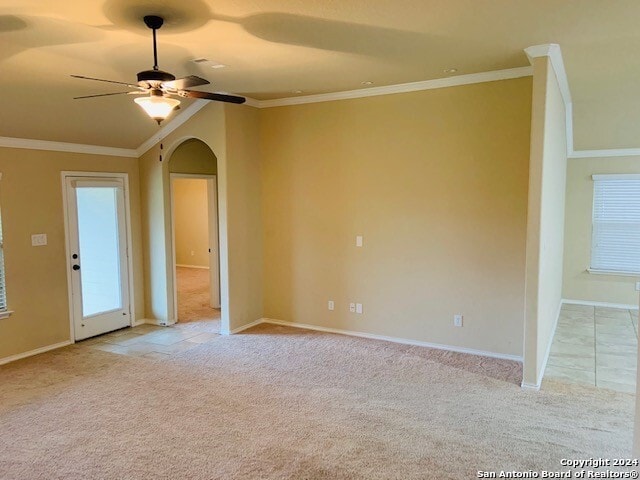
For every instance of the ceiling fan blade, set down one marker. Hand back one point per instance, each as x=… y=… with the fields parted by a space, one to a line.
x=103 y=80
x=220 y=97
x=186 y=82
x=104 y=95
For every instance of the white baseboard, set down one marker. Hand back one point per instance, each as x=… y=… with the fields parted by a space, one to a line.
x=37 y=351
x=193 y=266
x=404 y=341
x=244 y=327
x=153 y=321
x=140 y=321
x=530 y=386
x=599 y=304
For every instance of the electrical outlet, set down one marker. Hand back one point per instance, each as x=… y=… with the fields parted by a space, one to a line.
x=193 y=253
x=457 y=320
x=352 y=307
x=637 y=286
x=358 y=308
x=39 y=240
x=330 y=305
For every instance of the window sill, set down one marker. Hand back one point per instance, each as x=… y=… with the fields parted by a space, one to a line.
x=5 y=314
x=614 y=273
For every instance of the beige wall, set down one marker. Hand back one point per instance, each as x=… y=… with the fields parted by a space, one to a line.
x=191 y=221
x=578 y=283
x=435 y=181
x=31 y=200
x=606 y=121
x=240 y=246
x=245 y=214
x=193 y=156
x=545 y=240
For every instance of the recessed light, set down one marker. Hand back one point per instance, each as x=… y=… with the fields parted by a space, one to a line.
x=368 y=82
x=450 y=70
x=296 y=91
x=219 y=65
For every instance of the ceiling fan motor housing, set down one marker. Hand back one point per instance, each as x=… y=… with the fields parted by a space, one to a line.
x=160 y=76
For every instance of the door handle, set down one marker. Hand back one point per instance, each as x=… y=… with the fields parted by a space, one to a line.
x=76 y=267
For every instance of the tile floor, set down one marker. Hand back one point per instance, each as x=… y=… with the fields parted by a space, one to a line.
x=151 y=341
x=595 y=346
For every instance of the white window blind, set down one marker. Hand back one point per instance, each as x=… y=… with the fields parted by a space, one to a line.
x=615 y=245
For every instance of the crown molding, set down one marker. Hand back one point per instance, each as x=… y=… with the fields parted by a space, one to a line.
x=552 y=50
x=30 y=144
x=402 y=88
x=612 y=152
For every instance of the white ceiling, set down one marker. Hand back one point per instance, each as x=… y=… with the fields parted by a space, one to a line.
x=274 y=47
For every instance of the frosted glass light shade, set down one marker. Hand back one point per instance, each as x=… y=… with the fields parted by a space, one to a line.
x=157 y=107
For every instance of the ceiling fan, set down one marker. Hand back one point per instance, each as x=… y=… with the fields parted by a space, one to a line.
x=162 y=86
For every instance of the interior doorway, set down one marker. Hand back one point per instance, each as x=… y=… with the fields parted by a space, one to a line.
x=196 y=261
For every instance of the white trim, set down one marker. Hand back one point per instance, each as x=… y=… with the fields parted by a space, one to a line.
x=245 y=327
x=616 y=176
x=175 y=122
x=5 y=314
x=530 y=386
x=192 y=266
x=138 y=322
x=37 y=351
x=552 y=50
x=594 y=271
x=589 y=303
x=404 y=341
x=612 y=152
x=548 y=351
x=455 y=81
x=11 y=142
x=252 y=102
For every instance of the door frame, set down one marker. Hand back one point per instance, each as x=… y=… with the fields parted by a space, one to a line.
x=67 y=243
x=213 y=229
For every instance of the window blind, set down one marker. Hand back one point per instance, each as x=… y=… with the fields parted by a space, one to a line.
x=615 y=245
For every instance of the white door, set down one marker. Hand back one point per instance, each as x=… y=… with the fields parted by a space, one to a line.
x=97 y=242
x=214 y=259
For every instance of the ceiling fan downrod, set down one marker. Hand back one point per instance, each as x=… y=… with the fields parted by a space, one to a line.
x=154 y=22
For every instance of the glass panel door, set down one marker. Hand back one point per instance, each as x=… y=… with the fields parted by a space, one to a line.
x=99 y=249
x=97 y=240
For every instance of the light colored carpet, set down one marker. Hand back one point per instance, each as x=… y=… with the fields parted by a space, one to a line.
x=194 y=297
x=282 y=403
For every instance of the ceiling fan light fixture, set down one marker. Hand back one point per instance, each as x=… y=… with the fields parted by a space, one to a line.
x=157 y=107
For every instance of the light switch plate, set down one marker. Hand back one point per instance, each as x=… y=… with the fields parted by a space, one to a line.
x=38 y=240
x=358 y=240
x=358 y=308
x=457 y=320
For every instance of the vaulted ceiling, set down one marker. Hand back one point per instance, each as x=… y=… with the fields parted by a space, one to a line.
x=272 y=48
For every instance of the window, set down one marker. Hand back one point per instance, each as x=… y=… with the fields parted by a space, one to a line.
x=615 y=243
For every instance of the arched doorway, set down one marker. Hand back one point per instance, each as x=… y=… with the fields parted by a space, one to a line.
x=195 y=242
